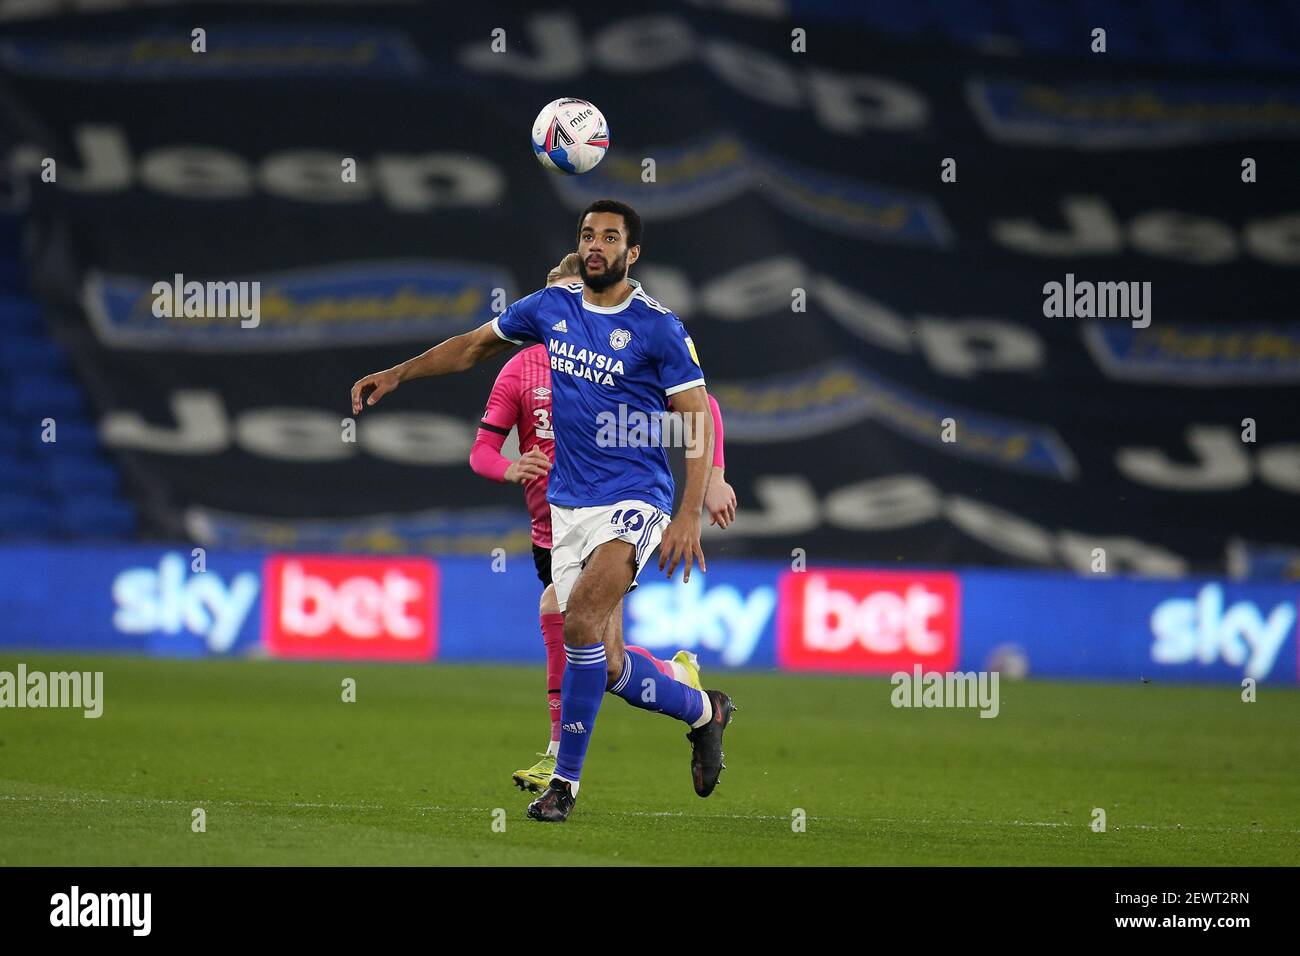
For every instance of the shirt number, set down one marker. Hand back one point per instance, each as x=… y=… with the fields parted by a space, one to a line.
x=543 y=427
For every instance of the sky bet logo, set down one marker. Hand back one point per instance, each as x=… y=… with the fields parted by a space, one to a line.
x=1202 y=630
x=171 y=599
x=721 y=618
x=348 y=608
x=868 y=621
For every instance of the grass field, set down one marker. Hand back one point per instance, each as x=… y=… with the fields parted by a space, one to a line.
x=412 y=773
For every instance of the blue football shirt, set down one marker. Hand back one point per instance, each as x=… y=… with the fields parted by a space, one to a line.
x=613 y=368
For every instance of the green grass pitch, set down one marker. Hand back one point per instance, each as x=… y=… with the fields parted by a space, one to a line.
x=413 y=772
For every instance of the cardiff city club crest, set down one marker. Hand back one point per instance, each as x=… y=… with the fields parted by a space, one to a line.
x=619 y=338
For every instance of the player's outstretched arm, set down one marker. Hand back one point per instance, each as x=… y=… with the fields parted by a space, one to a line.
x=454 y=355
x=681 y=540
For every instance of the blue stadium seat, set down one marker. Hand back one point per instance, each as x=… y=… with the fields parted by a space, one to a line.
x=91 y=516
x=71 y=433
x=25 y=352
x=32 y=394
x=28 y=427
x=25 y=515
x=19 y=476
x=69 y=474
x=19 y=312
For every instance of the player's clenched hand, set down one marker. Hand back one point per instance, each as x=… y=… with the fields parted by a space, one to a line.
x=720 y=503
x=382 y=383
x=531 y=464
x=681 y=544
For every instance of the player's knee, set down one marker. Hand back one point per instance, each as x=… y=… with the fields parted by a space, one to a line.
x=550 y=604
x=581 y=630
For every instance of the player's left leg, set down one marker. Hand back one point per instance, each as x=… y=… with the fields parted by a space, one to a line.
x=637 y=685
x=553 y=637
x=684 y=666
x=552 y=623
x=664 y=667
x=715 y=713
x=640 y=680
x=605 y=576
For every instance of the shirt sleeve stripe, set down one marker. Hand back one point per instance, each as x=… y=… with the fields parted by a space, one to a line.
x=683 y=387
x=494 y=428
x=497 y=329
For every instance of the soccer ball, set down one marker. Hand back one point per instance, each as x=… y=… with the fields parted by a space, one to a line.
x=570 y=136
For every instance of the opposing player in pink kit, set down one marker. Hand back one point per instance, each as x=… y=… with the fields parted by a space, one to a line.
x=521 y=399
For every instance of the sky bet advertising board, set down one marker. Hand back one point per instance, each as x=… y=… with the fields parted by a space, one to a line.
x=188 y=602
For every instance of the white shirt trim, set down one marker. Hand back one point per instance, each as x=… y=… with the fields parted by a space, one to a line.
x=614 y=309
x=683 y=387
x=639 y=294
x=497 y=329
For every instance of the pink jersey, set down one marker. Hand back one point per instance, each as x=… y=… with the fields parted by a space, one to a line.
x=521 y=399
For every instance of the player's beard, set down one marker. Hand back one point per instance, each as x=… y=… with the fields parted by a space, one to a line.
x=614 y=273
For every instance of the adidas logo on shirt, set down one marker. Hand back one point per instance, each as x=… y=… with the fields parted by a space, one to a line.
x=575 y=727
x=560 y=326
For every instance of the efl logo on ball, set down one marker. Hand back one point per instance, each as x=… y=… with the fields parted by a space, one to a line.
x=570 y=136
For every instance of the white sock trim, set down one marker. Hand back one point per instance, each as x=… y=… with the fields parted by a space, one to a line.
x=573 y=784
x=707 y=715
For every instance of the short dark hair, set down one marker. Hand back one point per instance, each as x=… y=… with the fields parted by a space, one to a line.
x=631 y=221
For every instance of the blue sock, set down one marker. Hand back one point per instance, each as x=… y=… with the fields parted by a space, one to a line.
x=581 y=692
x=642 y=685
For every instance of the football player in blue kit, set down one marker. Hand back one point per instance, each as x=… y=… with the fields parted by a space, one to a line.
x=612 y=349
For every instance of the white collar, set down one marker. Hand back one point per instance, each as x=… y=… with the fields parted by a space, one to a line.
x=613 y=309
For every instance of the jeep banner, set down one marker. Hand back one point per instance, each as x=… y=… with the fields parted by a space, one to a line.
x=942 y=326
